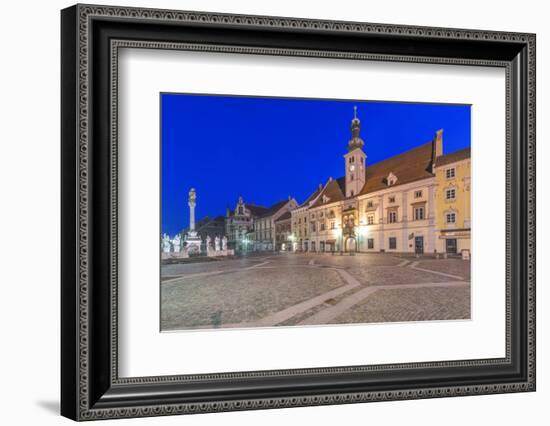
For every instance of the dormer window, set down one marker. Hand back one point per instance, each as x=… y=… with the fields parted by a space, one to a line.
x=325 y=199
x=391 y=179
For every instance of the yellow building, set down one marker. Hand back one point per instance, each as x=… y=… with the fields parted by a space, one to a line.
x=453 y=229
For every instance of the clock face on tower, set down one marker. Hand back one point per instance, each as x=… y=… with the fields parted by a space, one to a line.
x=352 y=168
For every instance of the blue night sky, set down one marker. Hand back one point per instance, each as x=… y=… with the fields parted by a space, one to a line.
x=266 y=149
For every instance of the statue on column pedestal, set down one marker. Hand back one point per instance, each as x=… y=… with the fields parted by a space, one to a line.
x=217 y=243
x=192 y=239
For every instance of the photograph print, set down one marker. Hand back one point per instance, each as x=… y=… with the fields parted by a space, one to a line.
x=312 y=212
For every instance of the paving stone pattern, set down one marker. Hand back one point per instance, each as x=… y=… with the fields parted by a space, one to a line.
x=305 y=289
x=419 y=304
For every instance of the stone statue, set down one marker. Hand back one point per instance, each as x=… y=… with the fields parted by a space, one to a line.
x=208 y=243
x=166 y=243
x=224 y=243
x=192 y=195
x=217 y=243
x=176 y=243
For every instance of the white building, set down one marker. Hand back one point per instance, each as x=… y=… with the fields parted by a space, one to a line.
x=385 y=207
x=264 y=225
x=239 y=223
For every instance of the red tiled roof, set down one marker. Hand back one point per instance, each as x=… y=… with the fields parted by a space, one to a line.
x=256 y=210
x=453 y=157
x=311 y=197
x=285 y=216
x=408 y=166
x=332 y=190
x=274 y=208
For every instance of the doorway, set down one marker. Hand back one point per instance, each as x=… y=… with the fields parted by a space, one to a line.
x=450 y=246
x=350 y=245
x=419 y=245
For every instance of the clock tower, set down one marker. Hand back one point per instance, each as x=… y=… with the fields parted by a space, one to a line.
x=355 y=159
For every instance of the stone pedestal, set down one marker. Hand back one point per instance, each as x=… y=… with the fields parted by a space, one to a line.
x=220 y=253
x=193 y=243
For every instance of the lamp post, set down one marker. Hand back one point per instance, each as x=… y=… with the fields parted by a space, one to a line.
x=245 y=242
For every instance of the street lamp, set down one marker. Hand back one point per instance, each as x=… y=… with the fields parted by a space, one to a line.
x=292 y=238
x=244 y=242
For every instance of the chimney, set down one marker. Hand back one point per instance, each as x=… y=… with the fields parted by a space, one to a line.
x=437 y=148
x=439 y=143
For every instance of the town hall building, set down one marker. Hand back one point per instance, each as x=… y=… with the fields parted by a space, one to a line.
x=396 y=205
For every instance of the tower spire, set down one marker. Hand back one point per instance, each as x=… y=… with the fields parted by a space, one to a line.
x=355 y=141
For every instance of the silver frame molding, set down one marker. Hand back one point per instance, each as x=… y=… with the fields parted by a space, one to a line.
x=91 y=39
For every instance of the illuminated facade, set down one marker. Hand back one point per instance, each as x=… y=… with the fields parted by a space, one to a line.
x=239 y=225
x=391 y=206
x=453 y=221
x=264 y=231
x=283 y=241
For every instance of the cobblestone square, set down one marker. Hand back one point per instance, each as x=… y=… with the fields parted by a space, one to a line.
x=312 y=289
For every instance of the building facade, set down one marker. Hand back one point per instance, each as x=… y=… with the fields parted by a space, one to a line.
x=283 y=232
x=239 y=225
x=299 y=222
x=264 y=225
x=453 y=194
x=391 y=206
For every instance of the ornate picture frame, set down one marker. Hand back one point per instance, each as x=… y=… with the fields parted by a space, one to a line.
x=90 y=39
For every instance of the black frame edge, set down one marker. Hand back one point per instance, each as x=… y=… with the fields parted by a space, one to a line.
x=69 y=277
x=105 y=399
